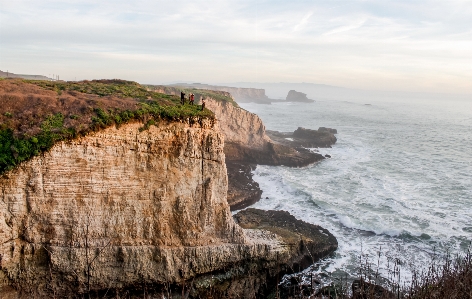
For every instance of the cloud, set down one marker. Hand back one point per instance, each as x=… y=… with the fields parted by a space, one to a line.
x=303 y=22
x=346 y=27
x=377 y=43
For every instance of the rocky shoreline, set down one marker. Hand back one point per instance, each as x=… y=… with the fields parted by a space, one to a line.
x=285 y=148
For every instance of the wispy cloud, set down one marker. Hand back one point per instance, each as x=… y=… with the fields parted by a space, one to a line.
x=345 y=28
x=357 y=43
x=303 y=22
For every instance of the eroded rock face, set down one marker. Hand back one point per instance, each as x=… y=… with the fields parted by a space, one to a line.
x=238 y=125
x=131 y=209
x=122 y=192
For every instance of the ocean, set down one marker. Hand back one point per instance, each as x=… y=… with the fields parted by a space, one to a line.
x=398 y=188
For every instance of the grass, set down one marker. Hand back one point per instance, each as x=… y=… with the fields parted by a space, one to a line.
x=35 y=115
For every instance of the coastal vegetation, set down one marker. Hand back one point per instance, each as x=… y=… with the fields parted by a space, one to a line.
x=450 y=277
x=35 y=114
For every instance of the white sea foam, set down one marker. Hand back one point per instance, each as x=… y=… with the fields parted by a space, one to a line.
x=399 y=179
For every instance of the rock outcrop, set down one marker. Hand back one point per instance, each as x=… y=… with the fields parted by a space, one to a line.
x=131 y=208
x=311 y=241
x=301 y=137
x=296 y=96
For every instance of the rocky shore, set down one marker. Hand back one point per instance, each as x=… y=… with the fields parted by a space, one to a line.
x=247 y=143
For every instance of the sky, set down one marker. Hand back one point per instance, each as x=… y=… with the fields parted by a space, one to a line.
x=414 y=45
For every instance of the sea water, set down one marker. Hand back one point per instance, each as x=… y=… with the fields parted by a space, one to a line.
x=398 y=185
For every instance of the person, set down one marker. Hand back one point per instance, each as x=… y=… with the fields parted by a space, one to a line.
x=191 y=98
x=203 y=104
x=182 y=97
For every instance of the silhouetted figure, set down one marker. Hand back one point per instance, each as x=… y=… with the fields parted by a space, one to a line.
x=203 y=104
x=182 y=97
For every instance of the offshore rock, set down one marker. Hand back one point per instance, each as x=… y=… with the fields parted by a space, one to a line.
x=301 y=137
x=296 y=96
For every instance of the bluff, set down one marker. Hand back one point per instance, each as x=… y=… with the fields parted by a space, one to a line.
x=122 y=208
x=136 y=207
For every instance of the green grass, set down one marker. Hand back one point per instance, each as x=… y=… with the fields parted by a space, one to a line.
x=14 y=150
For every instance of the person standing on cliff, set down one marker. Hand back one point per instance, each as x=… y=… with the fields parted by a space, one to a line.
x=192 y=98
x=182 y=97
x=203 y=104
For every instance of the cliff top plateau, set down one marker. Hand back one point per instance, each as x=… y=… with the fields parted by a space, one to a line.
x=35 y=114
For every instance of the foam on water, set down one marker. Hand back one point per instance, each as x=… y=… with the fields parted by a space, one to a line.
x=399 y=180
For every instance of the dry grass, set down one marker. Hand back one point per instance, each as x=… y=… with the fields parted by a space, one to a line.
x=448 y=279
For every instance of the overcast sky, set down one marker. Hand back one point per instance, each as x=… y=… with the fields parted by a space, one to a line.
x=411 y=45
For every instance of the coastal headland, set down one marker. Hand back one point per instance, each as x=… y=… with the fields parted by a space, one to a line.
x=111 y=188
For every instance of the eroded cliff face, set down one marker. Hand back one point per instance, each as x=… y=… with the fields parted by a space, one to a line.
x=119 y=194
x=238 y=125
x=133 y=209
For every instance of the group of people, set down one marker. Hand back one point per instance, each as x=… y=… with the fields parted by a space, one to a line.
x=191 y=99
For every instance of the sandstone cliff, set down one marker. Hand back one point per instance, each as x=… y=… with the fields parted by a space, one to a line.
x=126 y=208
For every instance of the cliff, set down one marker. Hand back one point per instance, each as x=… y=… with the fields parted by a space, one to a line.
x=247 y=144
x=125 y=208
x=246 y=139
